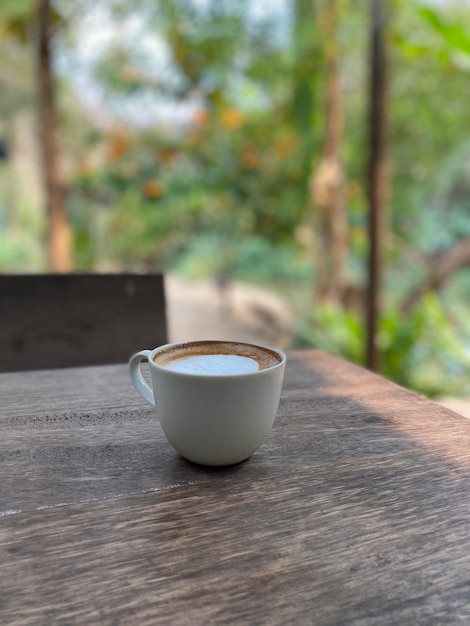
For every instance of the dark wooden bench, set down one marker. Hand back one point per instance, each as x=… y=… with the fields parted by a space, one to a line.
x=66 y=320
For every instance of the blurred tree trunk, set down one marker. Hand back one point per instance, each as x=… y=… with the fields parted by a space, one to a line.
x=308 y=54
x=59 y=238
x=327 y=180
x=378 y=179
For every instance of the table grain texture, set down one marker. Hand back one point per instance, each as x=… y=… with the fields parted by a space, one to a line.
x=356 y=510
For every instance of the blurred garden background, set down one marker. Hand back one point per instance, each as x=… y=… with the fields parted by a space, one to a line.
x=229 y=141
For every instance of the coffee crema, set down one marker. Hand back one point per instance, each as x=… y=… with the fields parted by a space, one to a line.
x=216 y=358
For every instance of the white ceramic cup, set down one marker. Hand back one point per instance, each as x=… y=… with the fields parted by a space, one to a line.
x=218 y=419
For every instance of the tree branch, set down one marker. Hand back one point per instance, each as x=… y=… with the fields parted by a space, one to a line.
x=441 y=267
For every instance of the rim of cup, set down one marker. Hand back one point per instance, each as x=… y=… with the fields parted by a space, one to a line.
x=177 y=344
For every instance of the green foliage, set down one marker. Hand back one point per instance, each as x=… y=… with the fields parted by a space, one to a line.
x=236 y=184
x=20 y=251
x=333 y=329
x=454 y=36
x=236 y=172
x=423 y=351
x=253 y=259
x=447 y=206
x=16 y=17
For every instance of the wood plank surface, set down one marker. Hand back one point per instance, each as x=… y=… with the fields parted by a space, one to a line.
x=355 y=511
x=67 y=320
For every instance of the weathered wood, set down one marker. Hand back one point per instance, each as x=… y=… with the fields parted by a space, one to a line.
x=51 y=321
x=355 y=511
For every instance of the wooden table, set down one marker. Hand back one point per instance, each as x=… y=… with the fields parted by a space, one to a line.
x=355 y=511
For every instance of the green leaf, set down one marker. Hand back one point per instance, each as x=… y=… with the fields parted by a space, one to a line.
x=456 y=37
x=14 y=9
x=411 y=49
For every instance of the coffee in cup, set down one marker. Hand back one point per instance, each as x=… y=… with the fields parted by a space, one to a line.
x=216 y=358
x=216 y=400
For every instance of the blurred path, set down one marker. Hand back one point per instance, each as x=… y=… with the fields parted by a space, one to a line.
x=198 y=310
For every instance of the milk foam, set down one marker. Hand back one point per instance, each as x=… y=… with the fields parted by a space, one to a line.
x=213 y=364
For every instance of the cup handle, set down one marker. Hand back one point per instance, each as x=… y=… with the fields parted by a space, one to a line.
x=136 y=375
